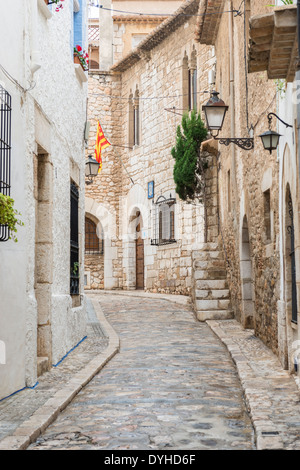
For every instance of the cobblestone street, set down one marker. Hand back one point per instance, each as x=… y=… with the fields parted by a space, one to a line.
x=173 y=385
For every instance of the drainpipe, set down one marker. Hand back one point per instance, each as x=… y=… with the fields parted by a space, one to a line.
x=232 y=100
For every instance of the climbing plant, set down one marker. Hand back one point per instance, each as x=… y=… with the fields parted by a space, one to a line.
x=9 y=215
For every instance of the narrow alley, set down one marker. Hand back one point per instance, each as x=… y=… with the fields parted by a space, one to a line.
x=172 y=386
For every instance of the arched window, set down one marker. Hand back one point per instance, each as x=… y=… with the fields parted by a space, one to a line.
x=189 y=81
x=93 y=245
x=193 y=81
x=136 y=118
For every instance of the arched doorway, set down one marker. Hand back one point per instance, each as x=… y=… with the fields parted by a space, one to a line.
x=139 y=255
x=290 y=278
x=246 y=278
x=94 y=253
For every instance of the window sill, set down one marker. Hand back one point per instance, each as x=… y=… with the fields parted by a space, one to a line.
x=82 y=76
x=44 y=9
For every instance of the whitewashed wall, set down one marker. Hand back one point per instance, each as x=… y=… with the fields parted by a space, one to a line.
x=54 y=113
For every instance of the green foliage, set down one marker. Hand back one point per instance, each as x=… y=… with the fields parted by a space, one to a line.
x=285 y=2
x=75 y=268
x=8 y=215
x=189 y=166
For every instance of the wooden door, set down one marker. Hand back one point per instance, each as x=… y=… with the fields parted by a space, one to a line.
x=139 y=259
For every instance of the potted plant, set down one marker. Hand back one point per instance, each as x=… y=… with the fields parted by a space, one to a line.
x=57 y=2
x=81 y=57
x=8 y=215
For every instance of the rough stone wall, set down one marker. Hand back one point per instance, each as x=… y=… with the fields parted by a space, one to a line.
x=104 y=106
x=159 y=82
x=95 y=265
x=242 y=193
x=168 y=268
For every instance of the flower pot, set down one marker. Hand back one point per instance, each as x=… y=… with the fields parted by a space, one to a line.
x=77 y=61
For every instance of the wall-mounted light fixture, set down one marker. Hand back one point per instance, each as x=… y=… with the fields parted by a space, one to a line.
x=215 y=111
x=270 y=139
x=91 y=169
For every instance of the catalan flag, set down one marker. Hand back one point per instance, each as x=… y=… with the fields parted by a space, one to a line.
x=101 y=143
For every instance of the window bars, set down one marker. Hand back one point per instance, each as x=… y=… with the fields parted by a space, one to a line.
x=74 y=241
x=93 y=245
x=163 y=221
x=291 y=231
x=5 y=152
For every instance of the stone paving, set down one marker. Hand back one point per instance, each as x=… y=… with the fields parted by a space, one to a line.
x=272 y=394
x=16 y=410
x=173 y=385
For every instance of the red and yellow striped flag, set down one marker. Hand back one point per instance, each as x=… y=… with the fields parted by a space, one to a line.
x=101 y=143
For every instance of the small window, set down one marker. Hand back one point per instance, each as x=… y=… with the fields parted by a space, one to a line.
x=93 y=245
x=267 y=215
x=228 y=191
x=134 y=119
x=163 y=218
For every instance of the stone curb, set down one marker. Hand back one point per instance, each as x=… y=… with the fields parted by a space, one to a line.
x=177 y=299
x=265 y=438
x=30 y=429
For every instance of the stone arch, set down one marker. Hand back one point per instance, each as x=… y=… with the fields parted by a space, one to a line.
x=185 y=82
x=105 y=220
x=290 y=285
x=135 y=217
x=288 y=331
x=246 y=270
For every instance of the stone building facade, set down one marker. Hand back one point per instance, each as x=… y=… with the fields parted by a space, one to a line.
x=280 y=61
x=155 y=78
x=239 y=267
x=250 y=182
x=41 y=317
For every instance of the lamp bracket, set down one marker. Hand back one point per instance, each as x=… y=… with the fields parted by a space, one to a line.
x=270 y=120
x=246 y=143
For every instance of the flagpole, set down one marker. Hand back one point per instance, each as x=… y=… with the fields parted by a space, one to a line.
x=123 y=164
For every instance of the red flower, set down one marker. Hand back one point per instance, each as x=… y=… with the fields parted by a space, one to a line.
x=79 y=48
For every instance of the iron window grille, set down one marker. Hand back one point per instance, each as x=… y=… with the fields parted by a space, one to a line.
x=291 y=231
x=5 y=152
x=74 y=241
x=93 y=245
x=163 y=221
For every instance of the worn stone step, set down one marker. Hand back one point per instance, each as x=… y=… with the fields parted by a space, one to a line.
x=214 y=294
x=214 y=315
x=212 y=304
x=205 y=247
x=211 y=274
x=209 y=264
x=208 y=255
x=209 y=284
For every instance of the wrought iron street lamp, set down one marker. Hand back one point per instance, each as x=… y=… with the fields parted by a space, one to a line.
x=270 y=139
x=91 y=169
x=215 y=111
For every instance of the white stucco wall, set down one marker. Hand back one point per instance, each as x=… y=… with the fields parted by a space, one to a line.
x=53 y=113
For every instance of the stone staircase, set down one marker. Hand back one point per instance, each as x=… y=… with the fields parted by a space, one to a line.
x=210 y=293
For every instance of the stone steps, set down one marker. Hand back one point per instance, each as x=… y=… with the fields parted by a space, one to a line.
x=210 y=290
